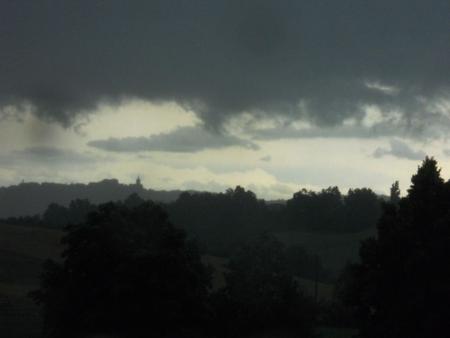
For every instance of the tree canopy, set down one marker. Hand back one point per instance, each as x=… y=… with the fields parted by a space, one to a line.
x=329 y=211
x=261 y=294
x=127 y=271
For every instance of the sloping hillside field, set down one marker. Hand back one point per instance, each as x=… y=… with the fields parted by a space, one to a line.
x=22 y=252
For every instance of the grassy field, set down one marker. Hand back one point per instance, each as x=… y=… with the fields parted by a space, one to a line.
x=33 y=241
x=335 y=250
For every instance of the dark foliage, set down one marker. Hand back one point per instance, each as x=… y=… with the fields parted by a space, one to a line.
x=394 y=197
x=57 y=216
x=24 y=220
x=125 y=271
x=222 y=221
x=328 y=210
x=362 y=209
x=225 y=220
x=401 y=287
x=261 y=295
x=303 y=264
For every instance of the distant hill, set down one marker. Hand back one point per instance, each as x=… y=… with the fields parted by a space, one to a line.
x=27 y=199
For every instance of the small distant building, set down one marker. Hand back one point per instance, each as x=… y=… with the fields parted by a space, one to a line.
x=138 y=185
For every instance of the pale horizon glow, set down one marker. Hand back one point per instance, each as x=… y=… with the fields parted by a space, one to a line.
x=34 y=150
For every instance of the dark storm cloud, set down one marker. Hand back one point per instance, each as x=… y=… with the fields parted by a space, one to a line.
x=184 y=139
x=315 y=60
x=401 y=150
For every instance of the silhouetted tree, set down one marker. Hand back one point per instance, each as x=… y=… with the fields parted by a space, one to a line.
x=58 y=216
x=312 y=211
x=394 y=197
x=329 y=211
x=401 y=287
x=261 y=295
x=78 y=210
x=363 y=209
x=55 y=216
x=133 y=200
x=126 y=271
x=223 y=221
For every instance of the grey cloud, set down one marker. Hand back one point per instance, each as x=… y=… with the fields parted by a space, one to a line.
x=183 y=139
x=382 y=129
x=205 y=186
x=49 y=156
x=356 y=131
x=432 y=126
x=401 y=150
x=59 y=156
x=266 y=158
x=303 y=59
x=276 y=190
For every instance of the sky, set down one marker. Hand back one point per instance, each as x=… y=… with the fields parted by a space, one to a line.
x=271 y=95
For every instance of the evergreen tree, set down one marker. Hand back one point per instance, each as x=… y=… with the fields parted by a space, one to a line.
x=394 y=197
x=401 y=287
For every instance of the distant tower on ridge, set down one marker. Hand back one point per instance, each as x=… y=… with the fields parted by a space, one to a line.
x=139 y=183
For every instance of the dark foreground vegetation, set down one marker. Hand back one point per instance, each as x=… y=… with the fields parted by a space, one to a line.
x=230 y=265
x=401 y=287
x=127 y=271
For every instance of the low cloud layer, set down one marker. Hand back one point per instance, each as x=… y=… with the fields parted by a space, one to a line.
x=52 y=156
x=183 y=140
x=353 y=131
x=400 y=149
x=315 y=61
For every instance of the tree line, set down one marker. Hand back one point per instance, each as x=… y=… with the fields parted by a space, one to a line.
x=221 y=220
